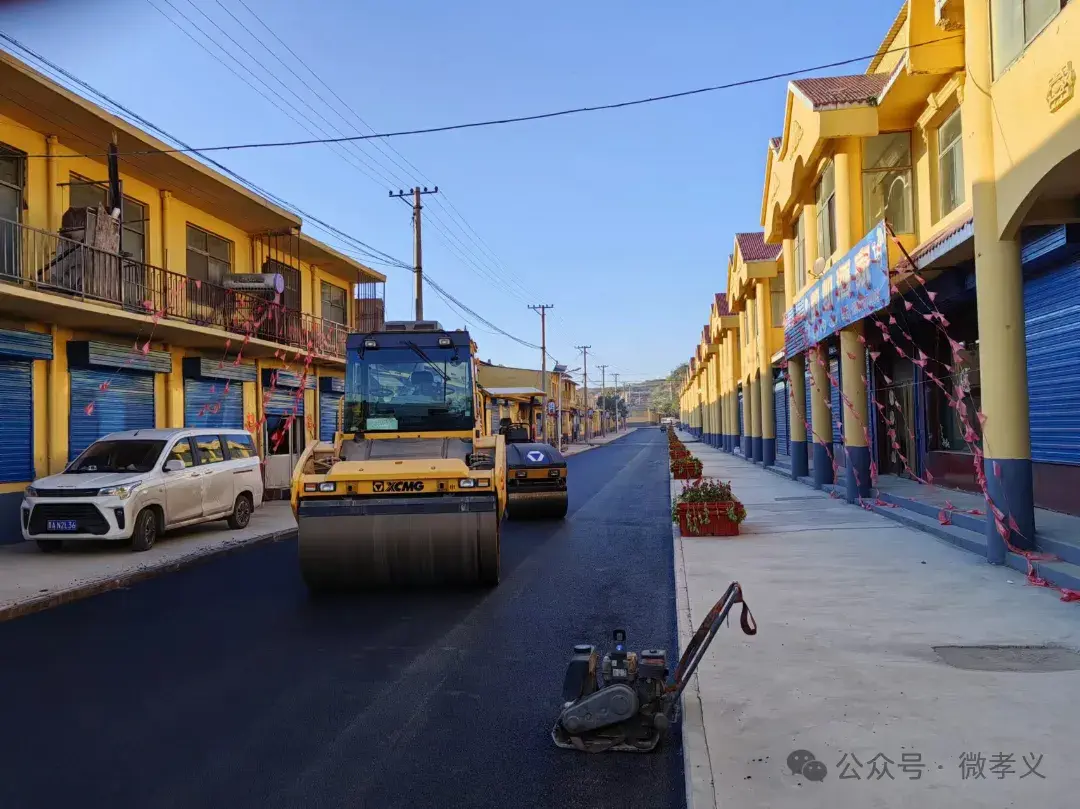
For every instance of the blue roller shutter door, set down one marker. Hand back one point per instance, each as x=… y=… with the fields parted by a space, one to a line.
x=208 y=404
x=127 y=403
x=17 y=422
x=780 y=402
x=328 y=414
x=1052 y=327
x=284 y=402
x=837 y=412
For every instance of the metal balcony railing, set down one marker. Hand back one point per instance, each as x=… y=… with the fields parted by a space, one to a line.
x=53 y=263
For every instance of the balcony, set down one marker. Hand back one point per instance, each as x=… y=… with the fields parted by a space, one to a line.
x=50 y=263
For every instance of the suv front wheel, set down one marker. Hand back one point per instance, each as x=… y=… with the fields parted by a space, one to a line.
x=146 y=529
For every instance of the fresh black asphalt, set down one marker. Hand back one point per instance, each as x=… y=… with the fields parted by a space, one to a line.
x=226 y=686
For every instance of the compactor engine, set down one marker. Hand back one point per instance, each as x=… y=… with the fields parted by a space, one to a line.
x=411 y=492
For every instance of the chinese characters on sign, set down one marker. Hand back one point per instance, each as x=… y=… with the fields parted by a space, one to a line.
x=853 y=288
x=972 y=766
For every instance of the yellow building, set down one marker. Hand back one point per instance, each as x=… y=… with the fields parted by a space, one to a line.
x=548 y=399
x=202 y=304
x=924 y=215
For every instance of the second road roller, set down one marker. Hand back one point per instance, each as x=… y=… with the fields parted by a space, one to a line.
x=535 y=475
x=411 y=491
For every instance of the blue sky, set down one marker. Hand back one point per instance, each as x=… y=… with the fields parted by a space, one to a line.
x=623 y=219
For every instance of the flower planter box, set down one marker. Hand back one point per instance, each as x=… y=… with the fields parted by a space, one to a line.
x=679 y=454
x=686 y=470
x=706 y=520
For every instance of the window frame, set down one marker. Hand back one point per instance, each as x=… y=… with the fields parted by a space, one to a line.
x=825 y=207
x=799 y=254
x=998 y=65
x=776 y=292
x=126 y=226
x=955 y=147
x=326 y=286
x=19 y=158
x=908 y=171
x=188 y=250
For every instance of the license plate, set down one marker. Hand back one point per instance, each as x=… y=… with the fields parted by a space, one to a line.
x=61 y=526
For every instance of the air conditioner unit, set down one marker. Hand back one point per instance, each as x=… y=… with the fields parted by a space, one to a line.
x=255 y=282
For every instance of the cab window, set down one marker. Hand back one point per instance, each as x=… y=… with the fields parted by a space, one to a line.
x=182 y=452
x=210 y=449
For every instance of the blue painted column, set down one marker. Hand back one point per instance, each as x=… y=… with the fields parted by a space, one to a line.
x=820 y=416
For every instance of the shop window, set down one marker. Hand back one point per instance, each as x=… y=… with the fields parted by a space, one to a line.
x=83 y=193
x=966 y=388
x=776 y=300
x=209 y=257
x=825 y=197
x=1014 y=24
x=887 y=182
x=799 y=255
x=333 y=303
x=950 y=146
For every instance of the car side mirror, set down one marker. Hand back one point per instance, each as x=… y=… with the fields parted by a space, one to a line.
x=173 y=465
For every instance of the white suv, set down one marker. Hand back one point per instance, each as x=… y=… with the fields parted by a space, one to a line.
x=133 y=485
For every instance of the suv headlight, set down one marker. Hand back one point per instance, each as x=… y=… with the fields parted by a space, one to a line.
x=31 y=491
x=123 y=492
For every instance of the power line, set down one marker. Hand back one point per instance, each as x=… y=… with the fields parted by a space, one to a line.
x=538 y=116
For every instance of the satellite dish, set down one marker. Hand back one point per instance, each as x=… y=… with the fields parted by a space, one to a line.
x=819 y=267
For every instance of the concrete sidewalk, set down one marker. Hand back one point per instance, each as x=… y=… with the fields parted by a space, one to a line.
x=31 y=580
x=596 y=441
x=852 y=610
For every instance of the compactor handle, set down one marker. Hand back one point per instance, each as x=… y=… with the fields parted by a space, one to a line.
x=699 y=644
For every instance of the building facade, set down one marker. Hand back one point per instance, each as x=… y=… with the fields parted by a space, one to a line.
x=925 y=220
x=147 y=320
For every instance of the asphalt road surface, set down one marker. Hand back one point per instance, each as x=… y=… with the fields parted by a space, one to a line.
x=225 y=686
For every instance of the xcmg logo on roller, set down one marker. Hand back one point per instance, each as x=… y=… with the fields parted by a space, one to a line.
x=398 y=486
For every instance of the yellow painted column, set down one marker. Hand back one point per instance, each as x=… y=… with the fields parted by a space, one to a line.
x=1000 y=300
x=718 y=407
x=174 y=391
x=856 y=414
x=741 y=437
x=59 y=401
x=820 y=415
x=53 y=205
x=767 y=406
x=163 y=228
x=40 y=380
x=752 y=397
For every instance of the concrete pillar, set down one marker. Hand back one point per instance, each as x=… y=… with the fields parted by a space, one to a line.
x=800 y=464
x=1000 y=300
x=753 y=400
x=856 y=415
x=820 y=415
x=718 y=412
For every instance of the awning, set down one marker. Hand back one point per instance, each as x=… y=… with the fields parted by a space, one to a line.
x=513 y=394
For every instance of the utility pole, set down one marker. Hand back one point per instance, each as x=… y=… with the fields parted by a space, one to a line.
x=542 y=309
x=585 y=377
x=418 y=252
x=603 y=399
x=616 y=401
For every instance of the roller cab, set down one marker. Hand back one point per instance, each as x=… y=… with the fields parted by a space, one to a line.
x=535 y=476
x=410 y=493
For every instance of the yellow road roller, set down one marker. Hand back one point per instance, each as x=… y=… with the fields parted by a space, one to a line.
x=535 y=475
x=411 y=492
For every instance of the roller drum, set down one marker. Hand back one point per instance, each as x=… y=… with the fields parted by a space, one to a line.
x=543 y=505
x=398 y=542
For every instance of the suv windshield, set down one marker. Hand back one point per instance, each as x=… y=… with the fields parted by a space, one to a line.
x=117 y=456
x=409 y=388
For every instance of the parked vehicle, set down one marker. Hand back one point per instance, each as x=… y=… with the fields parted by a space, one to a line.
x=132 y=486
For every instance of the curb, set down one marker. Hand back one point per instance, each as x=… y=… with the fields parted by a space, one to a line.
x=697 y=763
x=94 y=588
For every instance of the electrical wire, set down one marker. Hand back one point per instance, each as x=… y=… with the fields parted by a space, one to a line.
x=787 y=74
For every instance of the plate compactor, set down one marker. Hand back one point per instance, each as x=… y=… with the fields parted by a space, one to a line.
x=625 y=702
x=535 y=476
